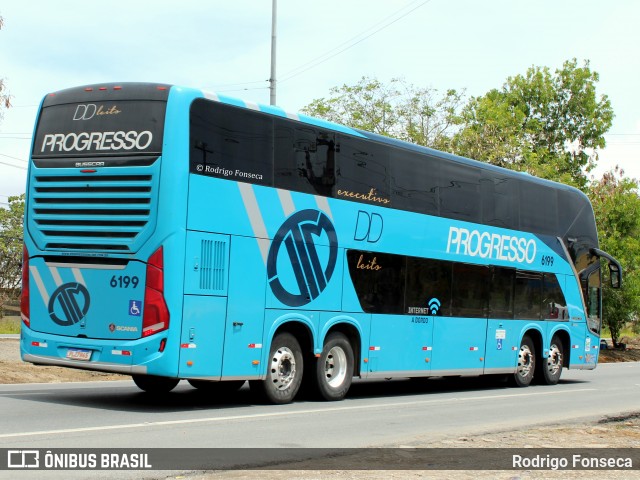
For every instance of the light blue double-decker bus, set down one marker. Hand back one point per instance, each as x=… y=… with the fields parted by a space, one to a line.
x=174 y=234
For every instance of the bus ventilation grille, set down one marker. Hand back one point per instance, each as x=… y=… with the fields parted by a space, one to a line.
x=105 y=213
x=213 y=256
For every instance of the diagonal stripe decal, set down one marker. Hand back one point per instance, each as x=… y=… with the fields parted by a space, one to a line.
x=323 y=205
x=286 y=200
x=40 y=284
x=255 y=218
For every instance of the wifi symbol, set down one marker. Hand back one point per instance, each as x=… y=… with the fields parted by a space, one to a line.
x=434 y=306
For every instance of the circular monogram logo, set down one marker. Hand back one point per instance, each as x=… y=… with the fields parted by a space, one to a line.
x=301 y=267
x=69 y=304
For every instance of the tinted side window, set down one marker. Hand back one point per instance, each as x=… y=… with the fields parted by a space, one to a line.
x=304 y=158
x=412 y=191
x=554 y=305
x=460 y=192
x=498 y=205
x=363 y=172
x=501 y=294
x=528 y=295
x=378 y=279
x=538 y=208
x=230 y=142
x=428 y=287
x=470 y=290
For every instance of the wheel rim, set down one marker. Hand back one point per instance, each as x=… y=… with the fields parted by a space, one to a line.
x=335 y=367
x=525 y=361
x=283 y=368
x=554 y=360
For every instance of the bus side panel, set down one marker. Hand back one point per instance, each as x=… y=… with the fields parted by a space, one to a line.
x=245 y=311
x=459 y=346
x=202 y=337
x=400 y=345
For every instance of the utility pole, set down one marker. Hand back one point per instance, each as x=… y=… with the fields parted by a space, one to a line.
x=272 y=80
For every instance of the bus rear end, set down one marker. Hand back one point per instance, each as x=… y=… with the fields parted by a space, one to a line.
x=94 y=257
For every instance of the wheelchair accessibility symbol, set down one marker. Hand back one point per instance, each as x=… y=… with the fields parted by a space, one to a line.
x=134 y=308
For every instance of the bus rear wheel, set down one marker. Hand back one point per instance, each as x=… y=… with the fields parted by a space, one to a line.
x=552 y=365
x=285 y=369
x=154 y=383
x=334 y=368
x=526 y=363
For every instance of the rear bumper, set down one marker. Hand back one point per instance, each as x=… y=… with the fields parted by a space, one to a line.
x=131 y=357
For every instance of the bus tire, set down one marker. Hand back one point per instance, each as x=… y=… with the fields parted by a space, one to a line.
x=526 y=363
x=284 y=372
x=334 y=368
x=552 y=365
x=217 y=388
x=154 y=383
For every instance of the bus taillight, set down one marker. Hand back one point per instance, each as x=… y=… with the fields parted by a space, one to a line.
x=24 y=297
x=156 y=313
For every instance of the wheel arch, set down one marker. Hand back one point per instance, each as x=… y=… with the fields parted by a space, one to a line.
x=297 y=326
x=349 y=329
x=565 y=338
x=536 y=337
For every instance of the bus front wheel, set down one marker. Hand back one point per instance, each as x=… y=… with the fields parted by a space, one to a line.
x=334 y=368
x=285 y=369
x=552 y=365
x=155 y=384
x=526 y=363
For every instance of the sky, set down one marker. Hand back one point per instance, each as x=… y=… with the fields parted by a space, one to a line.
x=225 y=46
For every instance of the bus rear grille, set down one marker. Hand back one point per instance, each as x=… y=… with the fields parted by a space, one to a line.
x=97 y=212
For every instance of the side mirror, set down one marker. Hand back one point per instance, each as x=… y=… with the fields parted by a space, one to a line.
x=615 y=274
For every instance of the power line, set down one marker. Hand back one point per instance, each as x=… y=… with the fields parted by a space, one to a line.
x=242 y=89
x=352 y=42
x=14 y=166
x=14 y=158
x=229 y=85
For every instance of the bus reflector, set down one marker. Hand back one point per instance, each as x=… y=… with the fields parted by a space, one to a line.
x=156 y=313
x=25 y=312
x=124 y=353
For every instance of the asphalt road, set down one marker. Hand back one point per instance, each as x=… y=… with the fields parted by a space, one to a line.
x=381 y=413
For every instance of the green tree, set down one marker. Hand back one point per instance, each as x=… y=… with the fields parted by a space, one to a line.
x=616 y=205
x=11 y=249
x=550 y=125
x=399 y=110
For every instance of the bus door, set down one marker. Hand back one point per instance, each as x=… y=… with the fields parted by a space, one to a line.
x=503 y=334
x=205 y=305
x=459 y=333
x=244 y=329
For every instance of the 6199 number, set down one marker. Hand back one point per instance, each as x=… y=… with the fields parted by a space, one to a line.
x=124 y=281
x=547 y=260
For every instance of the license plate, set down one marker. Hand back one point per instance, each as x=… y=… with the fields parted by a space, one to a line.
x=75 y=354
